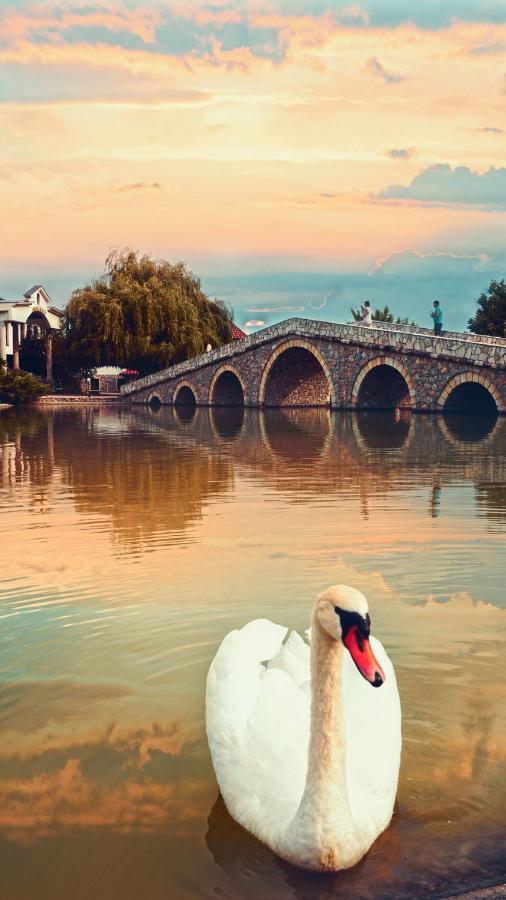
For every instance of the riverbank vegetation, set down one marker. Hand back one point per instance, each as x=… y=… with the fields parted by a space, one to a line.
x=383 y=315
x=490 y=316
x=19 y=387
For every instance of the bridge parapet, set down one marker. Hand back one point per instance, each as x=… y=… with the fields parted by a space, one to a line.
x=466 y=336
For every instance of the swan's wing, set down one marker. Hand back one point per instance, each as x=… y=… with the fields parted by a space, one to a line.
x=293 y=658
x=257 y=721
x=372 y=720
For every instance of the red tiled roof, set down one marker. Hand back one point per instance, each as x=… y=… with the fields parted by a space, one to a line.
x=237 y=333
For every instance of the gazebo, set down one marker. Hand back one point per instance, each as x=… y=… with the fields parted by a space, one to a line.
x=34 y=315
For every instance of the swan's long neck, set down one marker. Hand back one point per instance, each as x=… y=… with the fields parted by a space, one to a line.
x=323 y=823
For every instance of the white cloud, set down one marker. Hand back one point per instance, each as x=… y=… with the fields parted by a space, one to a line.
x=406 y=261
x=275 y=309
x=442 y=185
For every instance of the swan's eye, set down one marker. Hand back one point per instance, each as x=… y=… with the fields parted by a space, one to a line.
x=349 y=620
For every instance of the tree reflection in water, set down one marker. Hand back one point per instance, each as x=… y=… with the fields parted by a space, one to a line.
x=151 y=471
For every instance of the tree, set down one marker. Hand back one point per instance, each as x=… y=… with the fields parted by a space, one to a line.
x=142 y=313
x=490 y=316
x=32 y=355
x=382 y=315
x=32 y=358
x=18 y=387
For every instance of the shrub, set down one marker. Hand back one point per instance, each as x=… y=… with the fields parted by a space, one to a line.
x=19 y=387
x=383 y=315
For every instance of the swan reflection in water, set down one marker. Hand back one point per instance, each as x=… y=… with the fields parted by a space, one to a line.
x=261 y=873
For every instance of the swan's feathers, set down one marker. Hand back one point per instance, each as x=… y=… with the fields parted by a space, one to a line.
x=293 y=658
x=258 y=719
x=258 y=723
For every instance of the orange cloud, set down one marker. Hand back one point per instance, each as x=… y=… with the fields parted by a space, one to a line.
x=52 y=802
x=291 y=153
x=141 y=21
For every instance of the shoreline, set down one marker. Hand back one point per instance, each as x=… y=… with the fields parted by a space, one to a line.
x=492 y=892
x=72 y=399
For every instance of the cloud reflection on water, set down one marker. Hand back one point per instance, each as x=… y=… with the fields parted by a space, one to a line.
x=145 y=539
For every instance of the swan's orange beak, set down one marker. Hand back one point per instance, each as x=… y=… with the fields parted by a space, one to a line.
x=363 y=657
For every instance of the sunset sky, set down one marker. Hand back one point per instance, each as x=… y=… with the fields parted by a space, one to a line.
x=300 y=157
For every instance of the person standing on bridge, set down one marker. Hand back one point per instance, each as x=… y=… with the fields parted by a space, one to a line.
x=365 y=310
x=437 y=315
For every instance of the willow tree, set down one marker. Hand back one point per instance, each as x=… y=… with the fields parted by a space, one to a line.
x=142 y=313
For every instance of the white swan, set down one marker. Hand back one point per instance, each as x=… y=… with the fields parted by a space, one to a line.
x=307 y=757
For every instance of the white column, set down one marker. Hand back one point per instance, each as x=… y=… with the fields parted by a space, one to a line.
x=15 y=345
x=3 y=343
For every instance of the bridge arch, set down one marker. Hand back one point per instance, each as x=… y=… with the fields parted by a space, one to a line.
x=227 y=388
x=296 y=374
x=154 y=400
x=386 y=378
x=184 y=394
x=469 y=390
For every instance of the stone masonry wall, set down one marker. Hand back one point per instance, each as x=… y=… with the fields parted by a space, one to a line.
x=297 y=379
x=428 y=364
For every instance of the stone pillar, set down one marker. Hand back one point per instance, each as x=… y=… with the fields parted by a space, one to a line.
x=15 y=345
x=3 y=343
x=49 y=356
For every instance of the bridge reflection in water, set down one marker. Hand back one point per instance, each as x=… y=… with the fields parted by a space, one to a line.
x=296 y=451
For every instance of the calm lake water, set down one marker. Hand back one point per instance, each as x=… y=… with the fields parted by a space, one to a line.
x=133 y=540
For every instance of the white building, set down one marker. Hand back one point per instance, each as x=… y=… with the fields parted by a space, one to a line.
x=34 y=315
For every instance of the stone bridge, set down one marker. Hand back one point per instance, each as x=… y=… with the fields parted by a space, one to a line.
x=301 y=362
